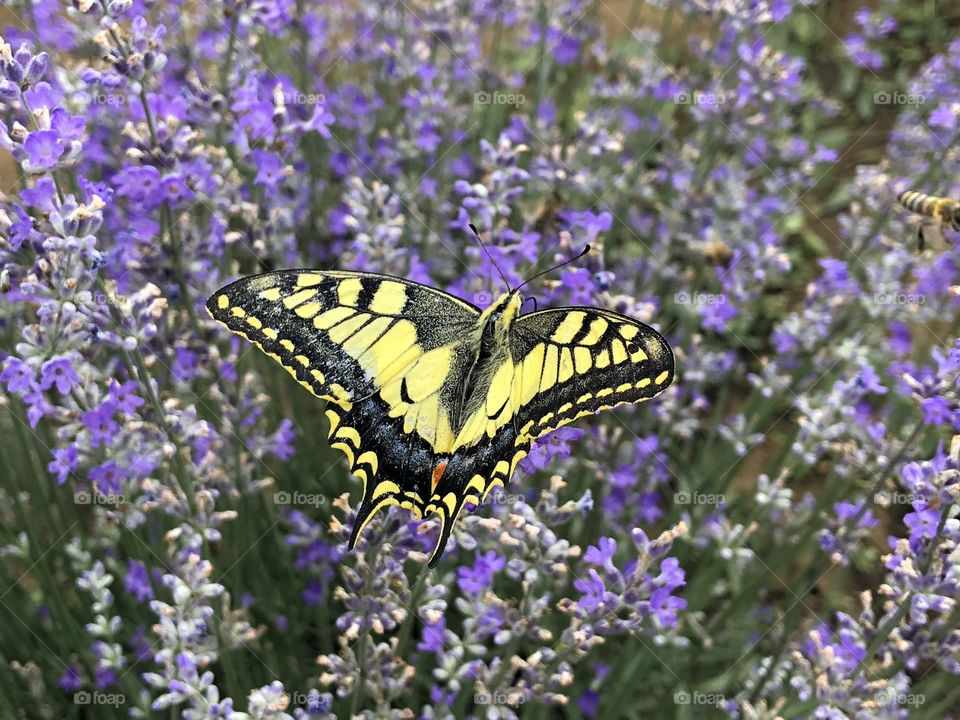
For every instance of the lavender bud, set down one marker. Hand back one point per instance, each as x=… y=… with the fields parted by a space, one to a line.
x=116 y=8
x=8 y=90
x=23 y=55
x=13 y=71
x=36 y=68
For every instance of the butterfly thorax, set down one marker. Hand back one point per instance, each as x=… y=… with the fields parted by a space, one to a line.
x=493 y=325
x=491 y=338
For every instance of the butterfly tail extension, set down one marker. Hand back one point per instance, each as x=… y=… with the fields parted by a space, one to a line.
x=365 y=513
x=447 y=508
x=448 y=511
x=468 y=477
x=446 y=527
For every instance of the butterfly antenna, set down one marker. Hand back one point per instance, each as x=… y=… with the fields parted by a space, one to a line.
x=487 y=251
x=583 y=252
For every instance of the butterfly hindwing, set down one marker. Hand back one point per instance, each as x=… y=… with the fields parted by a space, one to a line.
x=380 y=349
x=577 y=361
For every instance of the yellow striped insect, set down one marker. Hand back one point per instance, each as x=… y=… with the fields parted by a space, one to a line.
x=938 y=212
x=434 y=401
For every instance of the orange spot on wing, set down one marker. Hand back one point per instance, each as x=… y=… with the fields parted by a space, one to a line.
x=437 y=474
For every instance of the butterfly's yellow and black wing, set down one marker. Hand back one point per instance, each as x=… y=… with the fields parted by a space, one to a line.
x=385 y=352
x=565 y=364
x=577 y=361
